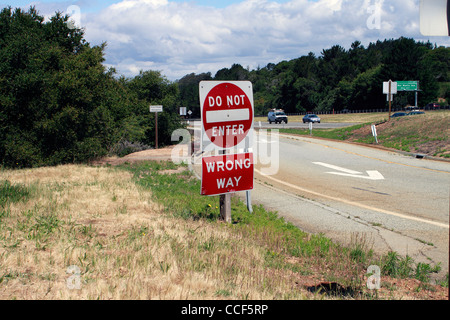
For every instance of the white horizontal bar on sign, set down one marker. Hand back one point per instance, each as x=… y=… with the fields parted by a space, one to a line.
x=227 y=115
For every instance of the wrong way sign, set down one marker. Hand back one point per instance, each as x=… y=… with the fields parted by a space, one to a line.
x=227 y=173
x=227 y=114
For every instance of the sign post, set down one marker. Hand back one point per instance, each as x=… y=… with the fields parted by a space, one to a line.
x=390 y=88
x=226 y=109
x=156 y=109
x=374 y=132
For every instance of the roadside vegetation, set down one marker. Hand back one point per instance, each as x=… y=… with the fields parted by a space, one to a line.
x=142 y=231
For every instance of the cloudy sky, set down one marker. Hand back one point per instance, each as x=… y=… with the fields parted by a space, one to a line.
x=178 y=37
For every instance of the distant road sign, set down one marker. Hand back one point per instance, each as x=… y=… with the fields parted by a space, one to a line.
x=386 y=87
x=156 y=108
x=407 y=85
x=226 y=112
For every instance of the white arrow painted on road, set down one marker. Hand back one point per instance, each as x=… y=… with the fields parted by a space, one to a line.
x=371 y=174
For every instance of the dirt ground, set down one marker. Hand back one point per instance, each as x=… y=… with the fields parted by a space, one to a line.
x=161 y=154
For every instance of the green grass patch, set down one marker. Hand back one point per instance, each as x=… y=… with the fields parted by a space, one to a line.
x=12 y=193
x=336 y=134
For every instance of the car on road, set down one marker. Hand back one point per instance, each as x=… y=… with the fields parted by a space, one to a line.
x=311 y=118
x=277 y=116
x=433 y=105
x=415 y=112
x=398 y=114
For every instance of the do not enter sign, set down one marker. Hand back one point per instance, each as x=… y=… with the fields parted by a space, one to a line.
x=227 y=113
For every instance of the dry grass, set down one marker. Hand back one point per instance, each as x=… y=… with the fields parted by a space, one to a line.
x=122 y=244
x=91 y=210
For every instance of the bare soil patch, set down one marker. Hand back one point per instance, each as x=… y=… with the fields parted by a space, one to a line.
x=161 y=154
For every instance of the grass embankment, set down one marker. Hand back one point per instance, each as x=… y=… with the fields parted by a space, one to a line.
x=143 y=231
x=427 y=134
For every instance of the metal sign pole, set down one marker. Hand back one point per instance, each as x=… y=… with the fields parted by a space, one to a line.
x=248 y=192
x=225 y=202
x=225 y=207
x=156 y=109
x=390 y=82
x=156 y=130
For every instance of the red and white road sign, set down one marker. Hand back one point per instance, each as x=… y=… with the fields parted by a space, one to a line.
x=227 y=173
x=227 y=113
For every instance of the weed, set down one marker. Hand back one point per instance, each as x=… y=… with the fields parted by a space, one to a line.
x=12 y=193
x=209 y=245
x=443 y=282
x=395 y=266
x=137 y=233
x=223 y=293
x=424 y=270
x=164 y=266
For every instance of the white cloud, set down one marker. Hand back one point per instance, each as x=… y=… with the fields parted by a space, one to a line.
x=181 y=37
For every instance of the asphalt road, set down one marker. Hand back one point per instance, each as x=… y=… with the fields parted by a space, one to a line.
x=300 y=125
x=387 y=200
x=289 y=125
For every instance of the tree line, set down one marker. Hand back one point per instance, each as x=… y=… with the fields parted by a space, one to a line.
x=339 y=79
x=60 y=104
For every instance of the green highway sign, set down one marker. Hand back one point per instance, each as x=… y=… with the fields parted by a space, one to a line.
x=407 y=85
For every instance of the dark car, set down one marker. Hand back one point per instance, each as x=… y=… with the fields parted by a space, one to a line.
x=398 y=114
x=415 y=112
x=311 y=118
